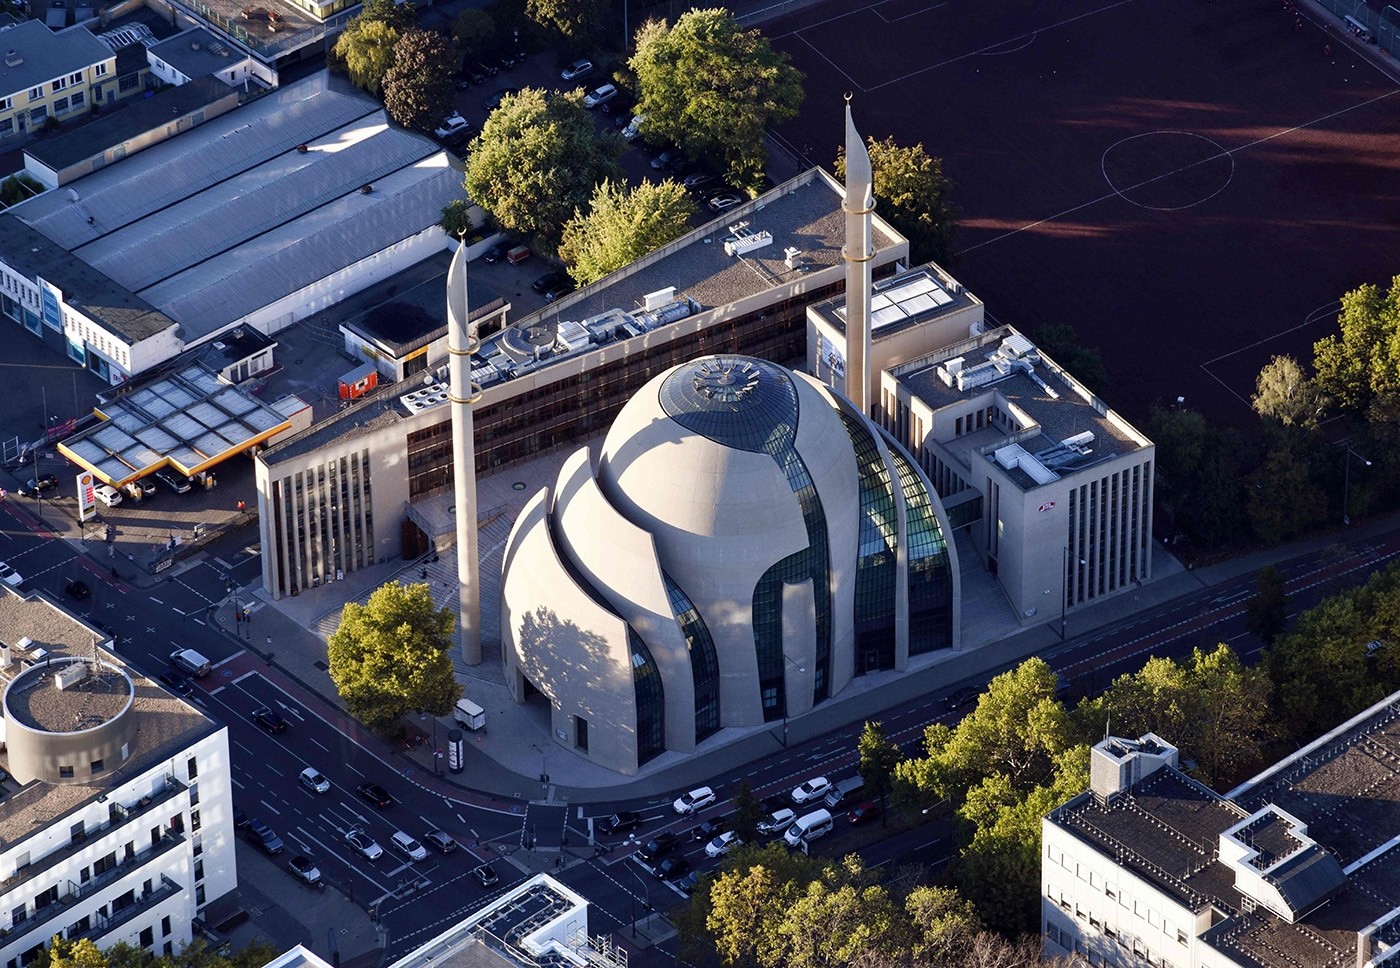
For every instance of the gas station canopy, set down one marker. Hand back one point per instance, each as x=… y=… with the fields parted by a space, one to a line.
x=189 y=420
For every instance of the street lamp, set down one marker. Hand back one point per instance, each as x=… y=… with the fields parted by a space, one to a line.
x=544 y=753
x=646 y=889
x=1064 y=590
x=1346 y=481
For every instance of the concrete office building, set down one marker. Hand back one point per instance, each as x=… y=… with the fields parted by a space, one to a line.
x=748 y=544
x=1299 y=866
x=116 y=823
x=255 y=218
x=1054 y=487
x=740 y=284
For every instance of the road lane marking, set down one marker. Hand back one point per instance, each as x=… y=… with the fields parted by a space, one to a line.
x=271 y=807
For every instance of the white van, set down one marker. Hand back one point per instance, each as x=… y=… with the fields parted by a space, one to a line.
x=469 y=715
x=808 y=828
x=190 y=662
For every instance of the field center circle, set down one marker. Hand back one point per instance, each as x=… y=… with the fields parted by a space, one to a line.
x=1167 y=171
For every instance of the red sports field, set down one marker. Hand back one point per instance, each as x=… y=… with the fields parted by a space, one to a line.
x=1191 y=184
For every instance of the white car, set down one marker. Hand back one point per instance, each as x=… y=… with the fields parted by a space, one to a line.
x=407 y=846
x=8 y=575
x=777 y=821
x=813 y=789
x=108 y=495
x=452 y=124
x=577 y=69
x=722 y=844
x=634 y=127
x=364 y=844
x=697 y=799
x=602 y=95
x=313 y=780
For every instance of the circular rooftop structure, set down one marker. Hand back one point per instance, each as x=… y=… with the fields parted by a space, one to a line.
x=733 y=400
x=68 y=720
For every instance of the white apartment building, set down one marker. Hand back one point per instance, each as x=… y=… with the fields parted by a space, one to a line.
x=1298 y=867
x=116 y=823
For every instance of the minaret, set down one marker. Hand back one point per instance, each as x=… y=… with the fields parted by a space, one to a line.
x=462 y=393
x=860 y=249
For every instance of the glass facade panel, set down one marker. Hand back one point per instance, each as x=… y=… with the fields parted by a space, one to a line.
x=877 y=569
x=650 y=698
x=704 y=664
x=930 y=576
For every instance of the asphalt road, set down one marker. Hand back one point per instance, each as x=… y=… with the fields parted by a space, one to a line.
x=414 y=900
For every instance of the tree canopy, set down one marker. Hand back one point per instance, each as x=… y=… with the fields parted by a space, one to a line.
x=623 y=224
x=1363 y=359
x=389 y=657
x=1284 y=392
x=1267 y=608
x=418 y=87
x=537 y=160
x=64 y=953
x=714 y=89
x=575 y=19
x=473 y=31
x=366 y=49
x=879 y=756
x=912 y=194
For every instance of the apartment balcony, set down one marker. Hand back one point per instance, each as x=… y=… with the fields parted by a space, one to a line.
x=77 y=893
x=144 y=902
x=119 y=816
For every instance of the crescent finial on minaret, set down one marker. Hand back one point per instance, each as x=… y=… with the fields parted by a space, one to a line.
x=860 y=180
x=457 y=287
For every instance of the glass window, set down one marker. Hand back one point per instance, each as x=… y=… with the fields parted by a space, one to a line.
x=877 y=567
x=650 y=700
x=930 y=578
x=77 y=100
x=704 y=664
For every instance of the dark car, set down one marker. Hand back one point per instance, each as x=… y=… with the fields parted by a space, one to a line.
x=440 y=840
x=549 y=281
x=494 y=101
x=489 y=69
x=665 y=159
x=671 y=868
x=698 y=181
x=375 y=794
x=688 y=881
x=77 y=589
x=465 y=80
x=710 y=829
x=559 y=291
x=265 y=837
x=504 y=60
x=657 y=848
x=240 y=819
x=965 y=696
x=620 y=822
x=497 y=252
x=486 y=874
x=38 y=485
x=176 y=683
x=864 y=813
x=270 y=720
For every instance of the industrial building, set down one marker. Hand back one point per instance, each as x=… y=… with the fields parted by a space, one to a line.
x=255 y=218
x=1298 y=866
x=117 y=817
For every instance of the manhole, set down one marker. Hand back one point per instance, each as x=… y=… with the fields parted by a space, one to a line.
x=518 y=486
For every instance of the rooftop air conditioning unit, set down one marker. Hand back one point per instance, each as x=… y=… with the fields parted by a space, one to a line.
x=70 y=675
x=792 y=257
x=748 y=243
x=220 y=345
x=662 y=297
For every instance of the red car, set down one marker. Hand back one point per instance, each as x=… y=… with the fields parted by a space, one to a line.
x=864 y=813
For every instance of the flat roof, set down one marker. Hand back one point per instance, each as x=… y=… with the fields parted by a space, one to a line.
x=116 y=127
x=1048 y=399
x=167 y=723
x=1345 y=789
x=45 y=55
x=196 y=53
x=406 y=332
x=908 y=299
x=189 y=419
x=31 y=253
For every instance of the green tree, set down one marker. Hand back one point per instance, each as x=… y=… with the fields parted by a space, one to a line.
x=1061 y=343
x=63 y=953
x=944 y=923
x=537 y=161
x=1363 y=359
x=748 y=811
x=623 y=224
x=366 y=52
x=842 y=923
x=714 y=89
x=456 y=218
x=577 y=20
x=400 y=16
x=1267 y=608
x=1283 y=500
x=1283 y=392
x=389 y=657
x=879 y=756
x=473 y=31
x=418 y=87
x=912 y=194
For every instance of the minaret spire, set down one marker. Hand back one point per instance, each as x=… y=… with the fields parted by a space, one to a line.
x=859 y=205
x=461 y=344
